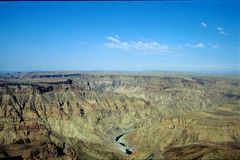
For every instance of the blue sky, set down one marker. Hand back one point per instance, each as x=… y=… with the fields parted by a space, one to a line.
x=174 y=36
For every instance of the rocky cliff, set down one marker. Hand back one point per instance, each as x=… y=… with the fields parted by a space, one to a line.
x=119 y=116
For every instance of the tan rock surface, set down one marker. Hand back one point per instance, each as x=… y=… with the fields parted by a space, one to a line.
x=79 y=115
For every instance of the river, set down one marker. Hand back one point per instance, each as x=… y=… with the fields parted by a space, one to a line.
x=126 y=149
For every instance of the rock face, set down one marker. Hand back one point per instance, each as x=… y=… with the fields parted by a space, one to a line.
x=93 y=115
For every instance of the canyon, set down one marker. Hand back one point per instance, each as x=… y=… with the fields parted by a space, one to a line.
x=119 y=115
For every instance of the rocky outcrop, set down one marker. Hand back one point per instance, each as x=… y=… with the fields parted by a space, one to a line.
x=79 y=115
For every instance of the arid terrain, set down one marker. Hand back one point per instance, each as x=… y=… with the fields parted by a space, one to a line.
x=119 y=115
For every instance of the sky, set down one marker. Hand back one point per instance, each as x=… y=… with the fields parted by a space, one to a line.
x=127 y=36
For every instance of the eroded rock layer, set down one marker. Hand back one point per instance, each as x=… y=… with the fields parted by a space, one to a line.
x=94 y=115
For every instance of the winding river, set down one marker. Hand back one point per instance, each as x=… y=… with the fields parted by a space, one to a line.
x=126 y=149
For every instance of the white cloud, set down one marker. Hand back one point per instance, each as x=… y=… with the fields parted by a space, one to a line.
x=219 y=28
x=150 y=45
x=112 y=39
x=214 y=45
x=137 y=45
x=154 y=46
x=200 y=45
x=197 y=45
x=221 y=31
x=203 y=24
